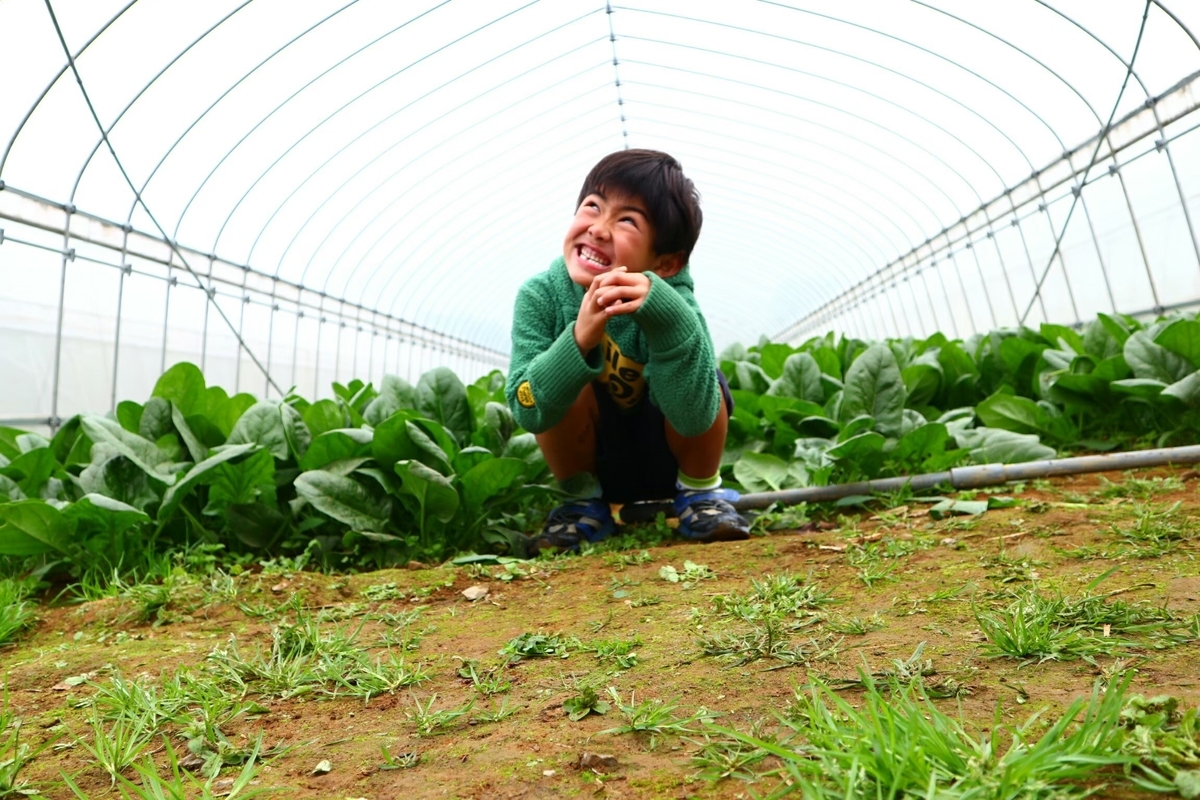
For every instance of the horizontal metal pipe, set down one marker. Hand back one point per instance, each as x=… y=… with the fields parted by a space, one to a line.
x=979 y=476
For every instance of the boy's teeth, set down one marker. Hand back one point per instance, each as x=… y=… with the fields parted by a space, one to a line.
x=585 y=254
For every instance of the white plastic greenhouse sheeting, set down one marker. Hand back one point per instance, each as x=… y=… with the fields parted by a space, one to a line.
x=359 y=187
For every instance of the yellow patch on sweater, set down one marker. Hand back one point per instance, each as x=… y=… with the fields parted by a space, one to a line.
x=525 y=395
x=622 y=375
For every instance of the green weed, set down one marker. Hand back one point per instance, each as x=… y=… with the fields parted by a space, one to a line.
x=856 y=626
x=15 y=754
x=691 y=574
x=774 y=596
x=115 y=748
x=622 y=652
x=500 y=714
x=721 y=757
x=402 y=761
x=1138 y=488
x=16 y=614
x=182 y=785
x=428 y=721
x=535 y=645
x=900 y=744
x=384 y=675
x=655 y=718
x=586 y=700
x=486 y=681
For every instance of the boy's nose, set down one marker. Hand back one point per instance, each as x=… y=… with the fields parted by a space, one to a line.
x=598 y=229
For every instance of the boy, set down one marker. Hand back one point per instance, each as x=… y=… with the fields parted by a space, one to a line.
x=612 y=364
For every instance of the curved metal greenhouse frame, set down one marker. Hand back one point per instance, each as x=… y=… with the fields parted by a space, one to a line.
x=290 y=194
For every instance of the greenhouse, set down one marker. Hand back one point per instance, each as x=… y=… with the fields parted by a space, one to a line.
x=282 y=475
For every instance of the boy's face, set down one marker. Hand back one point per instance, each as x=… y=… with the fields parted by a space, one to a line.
x=613 y=230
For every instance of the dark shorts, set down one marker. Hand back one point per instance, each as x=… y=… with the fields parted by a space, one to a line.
x=633 y=460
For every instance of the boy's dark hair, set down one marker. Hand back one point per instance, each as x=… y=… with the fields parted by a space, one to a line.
x=671 y=198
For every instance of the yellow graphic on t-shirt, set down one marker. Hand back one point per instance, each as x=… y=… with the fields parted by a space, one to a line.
x=622 y=375
x=525 y=395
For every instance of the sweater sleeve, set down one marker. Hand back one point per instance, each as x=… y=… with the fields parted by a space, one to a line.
x=682 y=373
x=547 y=371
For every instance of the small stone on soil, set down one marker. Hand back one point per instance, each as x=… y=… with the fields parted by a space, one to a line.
x=474 y=593
x=322 y=767
x=595 y=760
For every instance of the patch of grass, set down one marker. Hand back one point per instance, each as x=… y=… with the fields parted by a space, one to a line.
x=294 y=604
x=721 y=757
x=774 y=596
x=1155 y=531
x=1006 y=569
x=384 y=675
x=856 y=626
x=620 y=561
x=586 y=700
x=1138 y=488
x=780 y=518
x=379 y=592
x=486 y=681
x=182 y=784
x=428 y=721
x=622 y=652
x=1034 y=627
x=770 y=638
x=116 y=747
x=535 y=645
x=16 y=614
x=15 y=754
x=655 y=718
x=689 y=576
x=400 y=761
x=121 y=698
x=498 y=715
x=899 y=744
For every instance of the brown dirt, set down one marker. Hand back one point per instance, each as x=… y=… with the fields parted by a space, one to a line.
x=535 y=752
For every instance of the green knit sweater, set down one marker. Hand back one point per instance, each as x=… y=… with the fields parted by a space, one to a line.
x=663 y=347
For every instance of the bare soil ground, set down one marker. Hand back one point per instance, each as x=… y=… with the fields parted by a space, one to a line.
x=921 y=577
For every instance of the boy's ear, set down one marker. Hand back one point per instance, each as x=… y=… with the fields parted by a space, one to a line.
x=668 y=266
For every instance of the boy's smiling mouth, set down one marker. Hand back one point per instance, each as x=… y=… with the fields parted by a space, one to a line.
x=592 y=258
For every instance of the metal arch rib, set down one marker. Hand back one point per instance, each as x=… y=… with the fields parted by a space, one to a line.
x=1097 y=137
x=860 y=142
x=903 y=190
x=835 y=240
x=844 y=85
x=412 y=186
x=65 y=69
x=930 y=153
x=917 y=226
x=877 y=65
x=362 y=198
x=108 y=131
x=456 y=180
x=290 y=97
x=426 y=275
x=389 y=116
x=383 y=291
x=343 y=107
x=833 y=262
x=933 y=155
x=162 y=160
x=1023 y=52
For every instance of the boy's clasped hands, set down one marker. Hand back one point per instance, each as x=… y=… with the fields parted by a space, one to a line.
x=617 y=291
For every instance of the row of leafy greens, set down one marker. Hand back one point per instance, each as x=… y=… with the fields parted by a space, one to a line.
x=375 y=477
x=837 y=409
